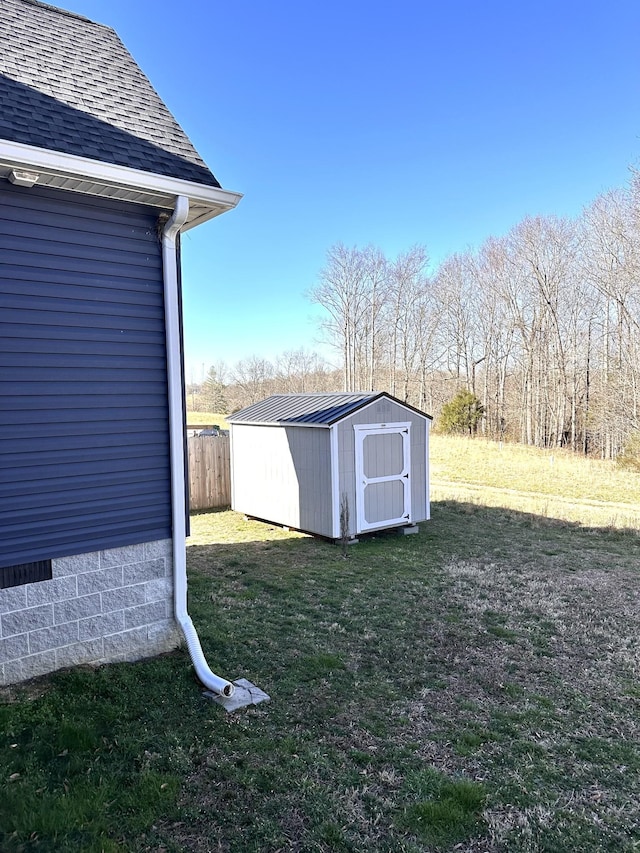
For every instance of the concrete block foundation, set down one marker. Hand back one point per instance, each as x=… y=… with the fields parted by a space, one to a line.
x=101 y=607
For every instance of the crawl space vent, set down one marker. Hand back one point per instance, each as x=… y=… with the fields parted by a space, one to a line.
x=25 y=573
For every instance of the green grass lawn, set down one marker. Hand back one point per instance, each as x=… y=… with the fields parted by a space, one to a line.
x=473 y=688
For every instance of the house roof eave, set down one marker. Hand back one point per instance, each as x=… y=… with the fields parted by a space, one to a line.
x=59 y=170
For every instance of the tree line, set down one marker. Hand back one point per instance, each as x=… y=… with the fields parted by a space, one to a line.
x=227 y=388
x=541 y=325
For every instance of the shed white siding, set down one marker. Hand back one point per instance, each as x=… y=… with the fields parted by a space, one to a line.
x=282 y=474
x=385 y=411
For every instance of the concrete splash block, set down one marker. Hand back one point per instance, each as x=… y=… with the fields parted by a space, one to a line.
x=245 y=694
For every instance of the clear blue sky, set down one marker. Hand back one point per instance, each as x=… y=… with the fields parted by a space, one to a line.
x=390 y=123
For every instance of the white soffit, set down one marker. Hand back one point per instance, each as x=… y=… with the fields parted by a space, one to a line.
x=92 y=177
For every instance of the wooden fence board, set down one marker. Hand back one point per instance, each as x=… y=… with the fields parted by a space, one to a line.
x=209 y=471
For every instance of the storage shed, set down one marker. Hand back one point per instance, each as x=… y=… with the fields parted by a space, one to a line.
x=296 y=457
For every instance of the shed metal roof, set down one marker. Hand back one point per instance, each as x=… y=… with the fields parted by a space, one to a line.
x=68 y=84
x=309 y=409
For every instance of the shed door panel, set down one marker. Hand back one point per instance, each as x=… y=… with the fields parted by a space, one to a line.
x=383 y=476
x=383 y=501
x=84 y=456
x=383 y=455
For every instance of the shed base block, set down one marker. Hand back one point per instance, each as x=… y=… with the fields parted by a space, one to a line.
x=407 y=531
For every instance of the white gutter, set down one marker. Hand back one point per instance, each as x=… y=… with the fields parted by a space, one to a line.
x=176 y=431
x=93 y=177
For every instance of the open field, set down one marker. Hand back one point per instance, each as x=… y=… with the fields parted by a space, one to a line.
x=202 y=418
x=473 y=688
x=555 y=484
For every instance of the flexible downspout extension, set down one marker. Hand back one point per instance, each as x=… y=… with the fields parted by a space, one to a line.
x=176 y=429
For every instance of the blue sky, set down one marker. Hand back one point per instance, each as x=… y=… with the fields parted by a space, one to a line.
x=376 y=122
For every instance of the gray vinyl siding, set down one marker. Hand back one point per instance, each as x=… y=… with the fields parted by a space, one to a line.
x=84 y=457
x=347 y=471
x=385 y=411
x=283 y=474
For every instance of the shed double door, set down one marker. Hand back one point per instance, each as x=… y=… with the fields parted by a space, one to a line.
x=383 y=475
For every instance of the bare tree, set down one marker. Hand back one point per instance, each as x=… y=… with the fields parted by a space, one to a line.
x=611 y=263
x=342 y=292
x=300 y=371
x=251 y=381
x=407 y=281
x=458 y=294
x=496 y=336
x=543 y=325
x=376 y=270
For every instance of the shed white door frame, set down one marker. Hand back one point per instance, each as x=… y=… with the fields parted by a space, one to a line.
x=383 y=475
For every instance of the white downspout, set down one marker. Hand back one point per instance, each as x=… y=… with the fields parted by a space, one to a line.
x=176 y=431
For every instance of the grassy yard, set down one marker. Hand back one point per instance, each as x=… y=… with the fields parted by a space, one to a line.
x=473 y=688
x=201 y=418
x=556 y=484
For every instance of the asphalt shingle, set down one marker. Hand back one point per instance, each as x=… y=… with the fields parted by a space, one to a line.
x=68 y=84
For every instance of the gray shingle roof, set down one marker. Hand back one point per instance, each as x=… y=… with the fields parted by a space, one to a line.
x=301 y=409
x=68 y=84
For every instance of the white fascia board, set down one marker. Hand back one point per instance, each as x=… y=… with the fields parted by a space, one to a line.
x=376 y=428
x=98 y=177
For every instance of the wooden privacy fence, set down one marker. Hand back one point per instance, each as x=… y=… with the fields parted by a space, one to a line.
x=209 y=471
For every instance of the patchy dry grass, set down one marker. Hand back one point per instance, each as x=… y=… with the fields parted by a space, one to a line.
x=473 y=688
x=544 y=699
x=554 y=484
x=494 y=655
x=201 y=418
